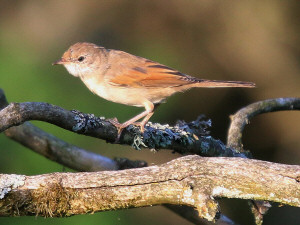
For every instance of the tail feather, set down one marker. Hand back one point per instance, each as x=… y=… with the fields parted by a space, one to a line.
x=221 y=83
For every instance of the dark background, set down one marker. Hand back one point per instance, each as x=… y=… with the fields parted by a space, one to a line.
x=232 y=40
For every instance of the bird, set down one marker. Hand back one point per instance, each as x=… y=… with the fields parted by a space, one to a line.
x=124 y=78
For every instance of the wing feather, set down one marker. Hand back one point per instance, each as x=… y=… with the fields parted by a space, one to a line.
x=134 y=71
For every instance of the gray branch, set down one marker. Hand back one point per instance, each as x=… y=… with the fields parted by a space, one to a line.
x=64 y=153
x=182 y=138
x=59 y=151
x=243 y=116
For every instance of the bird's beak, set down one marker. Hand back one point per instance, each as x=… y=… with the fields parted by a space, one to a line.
x=61 y=61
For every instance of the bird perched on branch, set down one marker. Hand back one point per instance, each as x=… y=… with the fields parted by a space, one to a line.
x=124 y=78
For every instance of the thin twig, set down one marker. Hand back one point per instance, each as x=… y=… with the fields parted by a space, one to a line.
x=243 y=116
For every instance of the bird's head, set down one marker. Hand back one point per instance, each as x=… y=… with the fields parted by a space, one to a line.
x=81 y=58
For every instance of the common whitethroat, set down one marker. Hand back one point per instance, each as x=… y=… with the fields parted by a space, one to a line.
x=131 y=80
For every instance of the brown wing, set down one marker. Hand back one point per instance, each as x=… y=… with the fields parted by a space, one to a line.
x=133 y=71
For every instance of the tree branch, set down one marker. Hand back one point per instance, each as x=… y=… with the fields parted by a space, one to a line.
x=82 y=160
x=234 y=137
x=243 y=116
x=195 y=181
x=176 y=138
x=62 y=152
x=180 y=138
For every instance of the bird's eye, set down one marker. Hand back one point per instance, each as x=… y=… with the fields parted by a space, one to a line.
x=80 y=59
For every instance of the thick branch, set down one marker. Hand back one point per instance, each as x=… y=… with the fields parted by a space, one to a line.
x=195 y=181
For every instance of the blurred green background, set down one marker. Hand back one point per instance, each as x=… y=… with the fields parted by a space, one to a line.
x=232 y=40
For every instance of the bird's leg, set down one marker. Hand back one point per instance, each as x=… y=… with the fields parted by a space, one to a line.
x=147 y=114
x=121 y=126
x=146 y=119
x=134 y=119
x=143 y=122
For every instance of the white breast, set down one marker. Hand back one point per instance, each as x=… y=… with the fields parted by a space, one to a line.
x=113 y=93
x=95 y=87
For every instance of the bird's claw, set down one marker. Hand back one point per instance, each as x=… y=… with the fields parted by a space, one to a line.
x=121 y=126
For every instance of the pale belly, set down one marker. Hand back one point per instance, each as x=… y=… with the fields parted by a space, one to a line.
x=125 y=95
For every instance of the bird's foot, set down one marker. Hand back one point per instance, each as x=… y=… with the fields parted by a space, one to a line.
x=121 y=126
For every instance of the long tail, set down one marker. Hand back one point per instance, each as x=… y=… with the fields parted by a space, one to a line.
x=222 y=83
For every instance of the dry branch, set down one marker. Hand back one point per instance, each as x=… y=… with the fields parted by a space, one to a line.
x=243 y=116
x=194 y=181
x=64 y=153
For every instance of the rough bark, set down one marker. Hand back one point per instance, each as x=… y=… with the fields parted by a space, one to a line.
x=191 y=180
x=234 y=138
